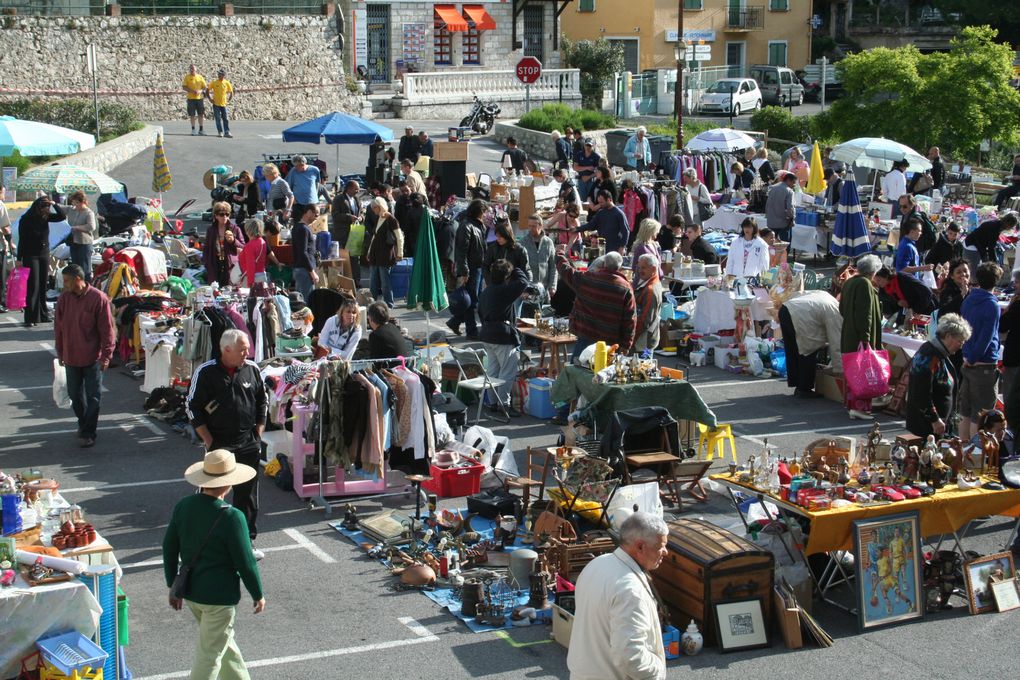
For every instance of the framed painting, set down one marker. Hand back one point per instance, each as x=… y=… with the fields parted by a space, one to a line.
x=887 y=552
x=740 y=625
x=980 y=574
x=1006 y=595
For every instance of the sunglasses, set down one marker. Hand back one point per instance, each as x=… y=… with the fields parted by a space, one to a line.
x=223 y=214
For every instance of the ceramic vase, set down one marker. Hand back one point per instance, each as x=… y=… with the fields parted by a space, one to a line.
x=692 y=641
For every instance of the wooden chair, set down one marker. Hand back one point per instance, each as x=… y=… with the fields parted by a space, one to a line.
x=535 y=476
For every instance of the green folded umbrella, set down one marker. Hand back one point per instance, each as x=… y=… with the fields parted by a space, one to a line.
x=426 y=290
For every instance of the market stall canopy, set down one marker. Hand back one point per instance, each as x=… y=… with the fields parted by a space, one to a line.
x=338 y=128
x=878 y=153
x=721 y=139
x=67 y=178
x=30 y=138
x=850 y=233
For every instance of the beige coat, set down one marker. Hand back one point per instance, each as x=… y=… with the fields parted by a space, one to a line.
x=817 y=322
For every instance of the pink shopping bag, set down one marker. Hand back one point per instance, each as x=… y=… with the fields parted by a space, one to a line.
x=17 y=288
x=867 y=372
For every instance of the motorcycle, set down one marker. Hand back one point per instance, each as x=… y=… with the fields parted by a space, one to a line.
x=482 y=116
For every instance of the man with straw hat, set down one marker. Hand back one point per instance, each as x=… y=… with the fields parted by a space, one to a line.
x=210 y=539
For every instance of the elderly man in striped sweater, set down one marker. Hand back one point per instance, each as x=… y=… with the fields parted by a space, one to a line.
x=604 y=306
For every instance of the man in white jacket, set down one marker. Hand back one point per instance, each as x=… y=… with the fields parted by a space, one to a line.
x=616 y=633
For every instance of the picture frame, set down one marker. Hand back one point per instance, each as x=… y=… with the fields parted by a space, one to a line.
x=978 y=574
x=887 y=562
x=740 y=625
x=1007 y=597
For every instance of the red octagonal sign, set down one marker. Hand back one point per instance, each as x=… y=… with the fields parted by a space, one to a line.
x=528 y=70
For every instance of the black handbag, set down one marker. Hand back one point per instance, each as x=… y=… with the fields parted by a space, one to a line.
x=705 y=211
x=494 y=502
x=179 y=588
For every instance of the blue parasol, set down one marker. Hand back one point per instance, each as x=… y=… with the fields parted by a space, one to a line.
x=338 y=128
x=850 y=234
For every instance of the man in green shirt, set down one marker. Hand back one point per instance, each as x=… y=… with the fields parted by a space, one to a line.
x=211 y=537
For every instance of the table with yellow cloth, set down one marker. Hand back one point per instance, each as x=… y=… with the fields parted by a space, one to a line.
x=948 y=511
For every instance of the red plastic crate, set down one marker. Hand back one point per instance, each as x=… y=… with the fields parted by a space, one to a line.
x=455 y=482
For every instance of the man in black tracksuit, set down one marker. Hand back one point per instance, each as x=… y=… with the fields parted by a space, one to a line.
x=497 y=307
x=228 y=408
x=469 y=253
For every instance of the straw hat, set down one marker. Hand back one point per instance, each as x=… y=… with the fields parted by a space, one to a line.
x=219 y=468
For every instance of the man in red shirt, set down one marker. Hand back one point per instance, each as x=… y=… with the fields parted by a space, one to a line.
x=85 y=340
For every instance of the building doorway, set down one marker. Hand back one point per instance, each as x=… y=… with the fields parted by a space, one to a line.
x=377 y=32
x=534 y=31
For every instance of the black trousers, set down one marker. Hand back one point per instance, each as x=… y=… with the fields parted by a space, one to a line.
x=800 y=369
x=246 y=496
x=35 y=303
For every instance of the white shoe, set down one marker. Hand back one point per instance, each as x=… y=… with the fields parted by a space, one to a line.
x=258 y=554
x=194 y=132
x=860 y=415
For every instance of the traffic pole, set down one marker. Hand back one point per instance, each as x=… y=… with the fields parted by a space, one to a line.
x=527 y=98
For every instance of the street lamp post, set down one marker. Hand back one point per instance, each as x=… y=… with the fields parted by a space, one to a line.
x=680 y=50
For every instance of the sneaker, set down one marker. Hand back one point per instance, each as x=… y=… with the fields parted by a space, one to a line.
x=219 y=134
x=860 y=415
x=454 y=327
x=87 y=442
x=201 y=132
x=193 y=132
x=228 y=135
x=257 y=554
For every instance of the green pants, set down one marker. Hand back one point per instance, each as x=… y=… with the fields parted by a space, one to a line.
x=217 y=656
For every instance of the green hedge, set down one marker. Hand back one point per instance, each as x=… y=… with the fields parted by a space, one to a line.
x=560 y=116
x=78 y=114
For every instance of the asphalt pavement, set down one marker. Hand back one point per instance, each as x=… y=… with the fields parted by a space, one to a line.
x=331 y=611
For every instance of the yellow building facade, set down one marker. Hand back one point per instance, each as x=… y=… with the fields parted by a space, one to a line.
x=736 y=33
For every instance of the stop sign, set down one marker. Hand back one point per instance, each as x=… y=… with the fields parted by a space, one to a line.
x=528 y=70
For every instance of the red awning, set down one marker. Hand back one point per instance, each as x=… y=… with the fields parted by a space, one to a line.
x=483 y=20
x=452 y=18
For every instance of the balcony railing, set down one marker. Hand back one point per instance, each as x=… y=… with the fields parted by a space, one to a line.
x=158 y=7
x=451 y=86
x=745 y=19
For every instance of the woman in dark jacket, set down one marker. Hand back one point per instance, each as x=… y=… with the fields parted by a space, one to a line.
x=246 y=196
x=934 y=381
x=223 y=244
x=947 y=248
x=954 y=288
x=986 y=236
x=34 y=254
x=384 y=251
x=505 y=247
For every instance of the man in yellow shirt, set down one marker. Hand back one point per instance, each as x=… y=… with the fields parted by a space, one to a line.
x=220 y=93
x=194 y=85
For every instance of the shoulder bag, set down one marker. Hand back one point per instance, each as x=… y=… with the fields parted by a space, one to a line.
x=179 y=588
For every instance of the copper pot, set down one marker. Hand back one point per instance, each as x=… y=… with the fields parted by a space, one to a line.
x=90 y=533
x=67 y=528
x=59 y=541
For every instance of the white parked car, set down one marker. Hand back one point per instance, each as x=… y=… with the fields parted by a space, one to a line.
x=740 y=93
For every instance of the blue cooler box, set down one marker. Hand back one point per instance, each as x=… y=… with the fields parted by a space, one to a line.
x=400 y=277
x=807 y=218
x=540 y=398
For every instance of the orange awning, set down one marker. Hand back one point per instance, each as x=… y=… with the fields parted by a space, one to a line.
x=452 y=18
x=483 y=20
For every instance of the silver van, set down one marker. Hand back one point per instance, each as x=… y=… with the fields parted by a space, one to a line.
x=778 y=84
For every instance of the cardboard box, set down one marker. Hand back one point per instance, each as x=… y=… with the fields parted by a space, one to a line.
x=563 y=624
x=788 y=621
x=829 y=384
x=450 y=151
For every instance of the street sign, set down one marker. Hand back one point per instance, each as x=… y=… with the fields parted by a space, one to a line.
x=528 y=70
x=703 y=49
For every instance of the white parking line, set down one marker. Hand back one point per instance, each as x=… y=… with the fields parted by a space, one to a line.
x=48 y=347
x=73 y=430
x=421 y=635
x=26 y=351
x=24 y=389
x=125 y=485
x=307 y=544
x=153 y=563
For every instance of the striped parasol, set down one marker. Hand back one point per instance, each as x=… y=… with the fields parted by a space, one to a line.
x=162 y=180
x=850 y=234
x=67 y=178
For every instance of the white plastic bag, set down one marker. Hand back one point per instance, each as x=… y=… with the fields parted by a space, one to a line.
x=645 y=496
x=60 y=395
x=502 y=463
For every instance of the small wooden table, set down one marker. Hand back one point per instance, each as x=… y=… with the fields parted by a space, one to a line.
x=556 y=344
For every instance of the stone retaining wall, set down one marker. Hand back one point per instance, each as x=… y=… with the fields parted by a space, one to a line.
x=284 y=67
x=108 y=155
x=539 y=144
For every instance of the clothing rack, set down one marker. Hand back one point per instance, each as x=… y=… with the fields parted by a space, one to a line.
x=364 y=488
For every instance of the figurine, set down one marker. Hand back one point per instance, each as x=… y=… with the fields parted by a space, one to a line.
x=39 y=572
x=939 y=470
x=539 y=591
x=350 y=522
x=989 y=451
x=952 y=454
x=911 y=462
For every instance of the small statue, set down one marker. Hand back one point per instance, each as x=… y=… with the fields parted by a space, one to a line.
x=911 y=462
x=989 y=451
x=350 y=522
x=939 y=471
x=539 y=591
x=871 y=442
x=952 y=454
x=844 y=472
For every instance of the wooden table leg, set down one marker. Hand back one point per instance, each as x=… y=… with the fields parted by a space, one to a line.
x=554 y=361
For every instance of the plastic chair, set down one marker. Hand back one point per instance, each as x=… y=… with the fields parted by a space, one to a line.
x=475 y=357
x=708 y=438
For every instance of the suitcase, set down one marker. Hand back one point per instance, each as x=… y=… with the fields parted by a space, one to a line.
x=708 y=565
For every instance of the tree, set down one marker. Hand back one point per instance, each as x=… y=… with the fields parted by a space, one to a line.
x=983 y=12
x=953 y=99
x=598 y=60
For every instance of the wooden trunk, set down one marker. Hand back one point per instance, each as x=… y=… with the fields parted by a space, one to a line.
x=707 y=565
x=570 y=559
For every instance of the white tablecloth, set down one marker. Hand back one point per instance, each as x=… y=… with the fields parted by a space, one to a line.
x=31 y=613
x=911 y=345
x=714 y=310
x=729 y=220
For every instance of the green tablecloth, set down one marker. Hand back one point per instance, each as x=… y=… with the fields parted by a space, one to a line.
x=679 y=397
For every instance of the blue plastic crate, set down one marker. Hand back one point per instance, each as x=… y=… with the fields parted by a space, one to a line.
x=808 y=218
x=71 y=652
x=103 y=585
x=400 y=277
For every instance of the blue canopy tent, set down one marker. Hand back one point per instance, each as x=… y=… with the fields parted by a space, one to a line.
x=338 y=128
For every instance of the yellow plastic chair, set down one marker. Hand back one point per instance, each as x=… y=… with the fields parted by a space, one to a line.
x=709 y=438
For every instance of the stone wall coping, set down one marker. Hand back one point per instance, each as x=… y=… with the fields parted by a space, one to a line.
x=106 y=156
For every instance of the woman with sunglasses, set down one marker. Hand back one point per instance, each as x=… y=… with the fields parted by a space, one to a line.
x=223 y=243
